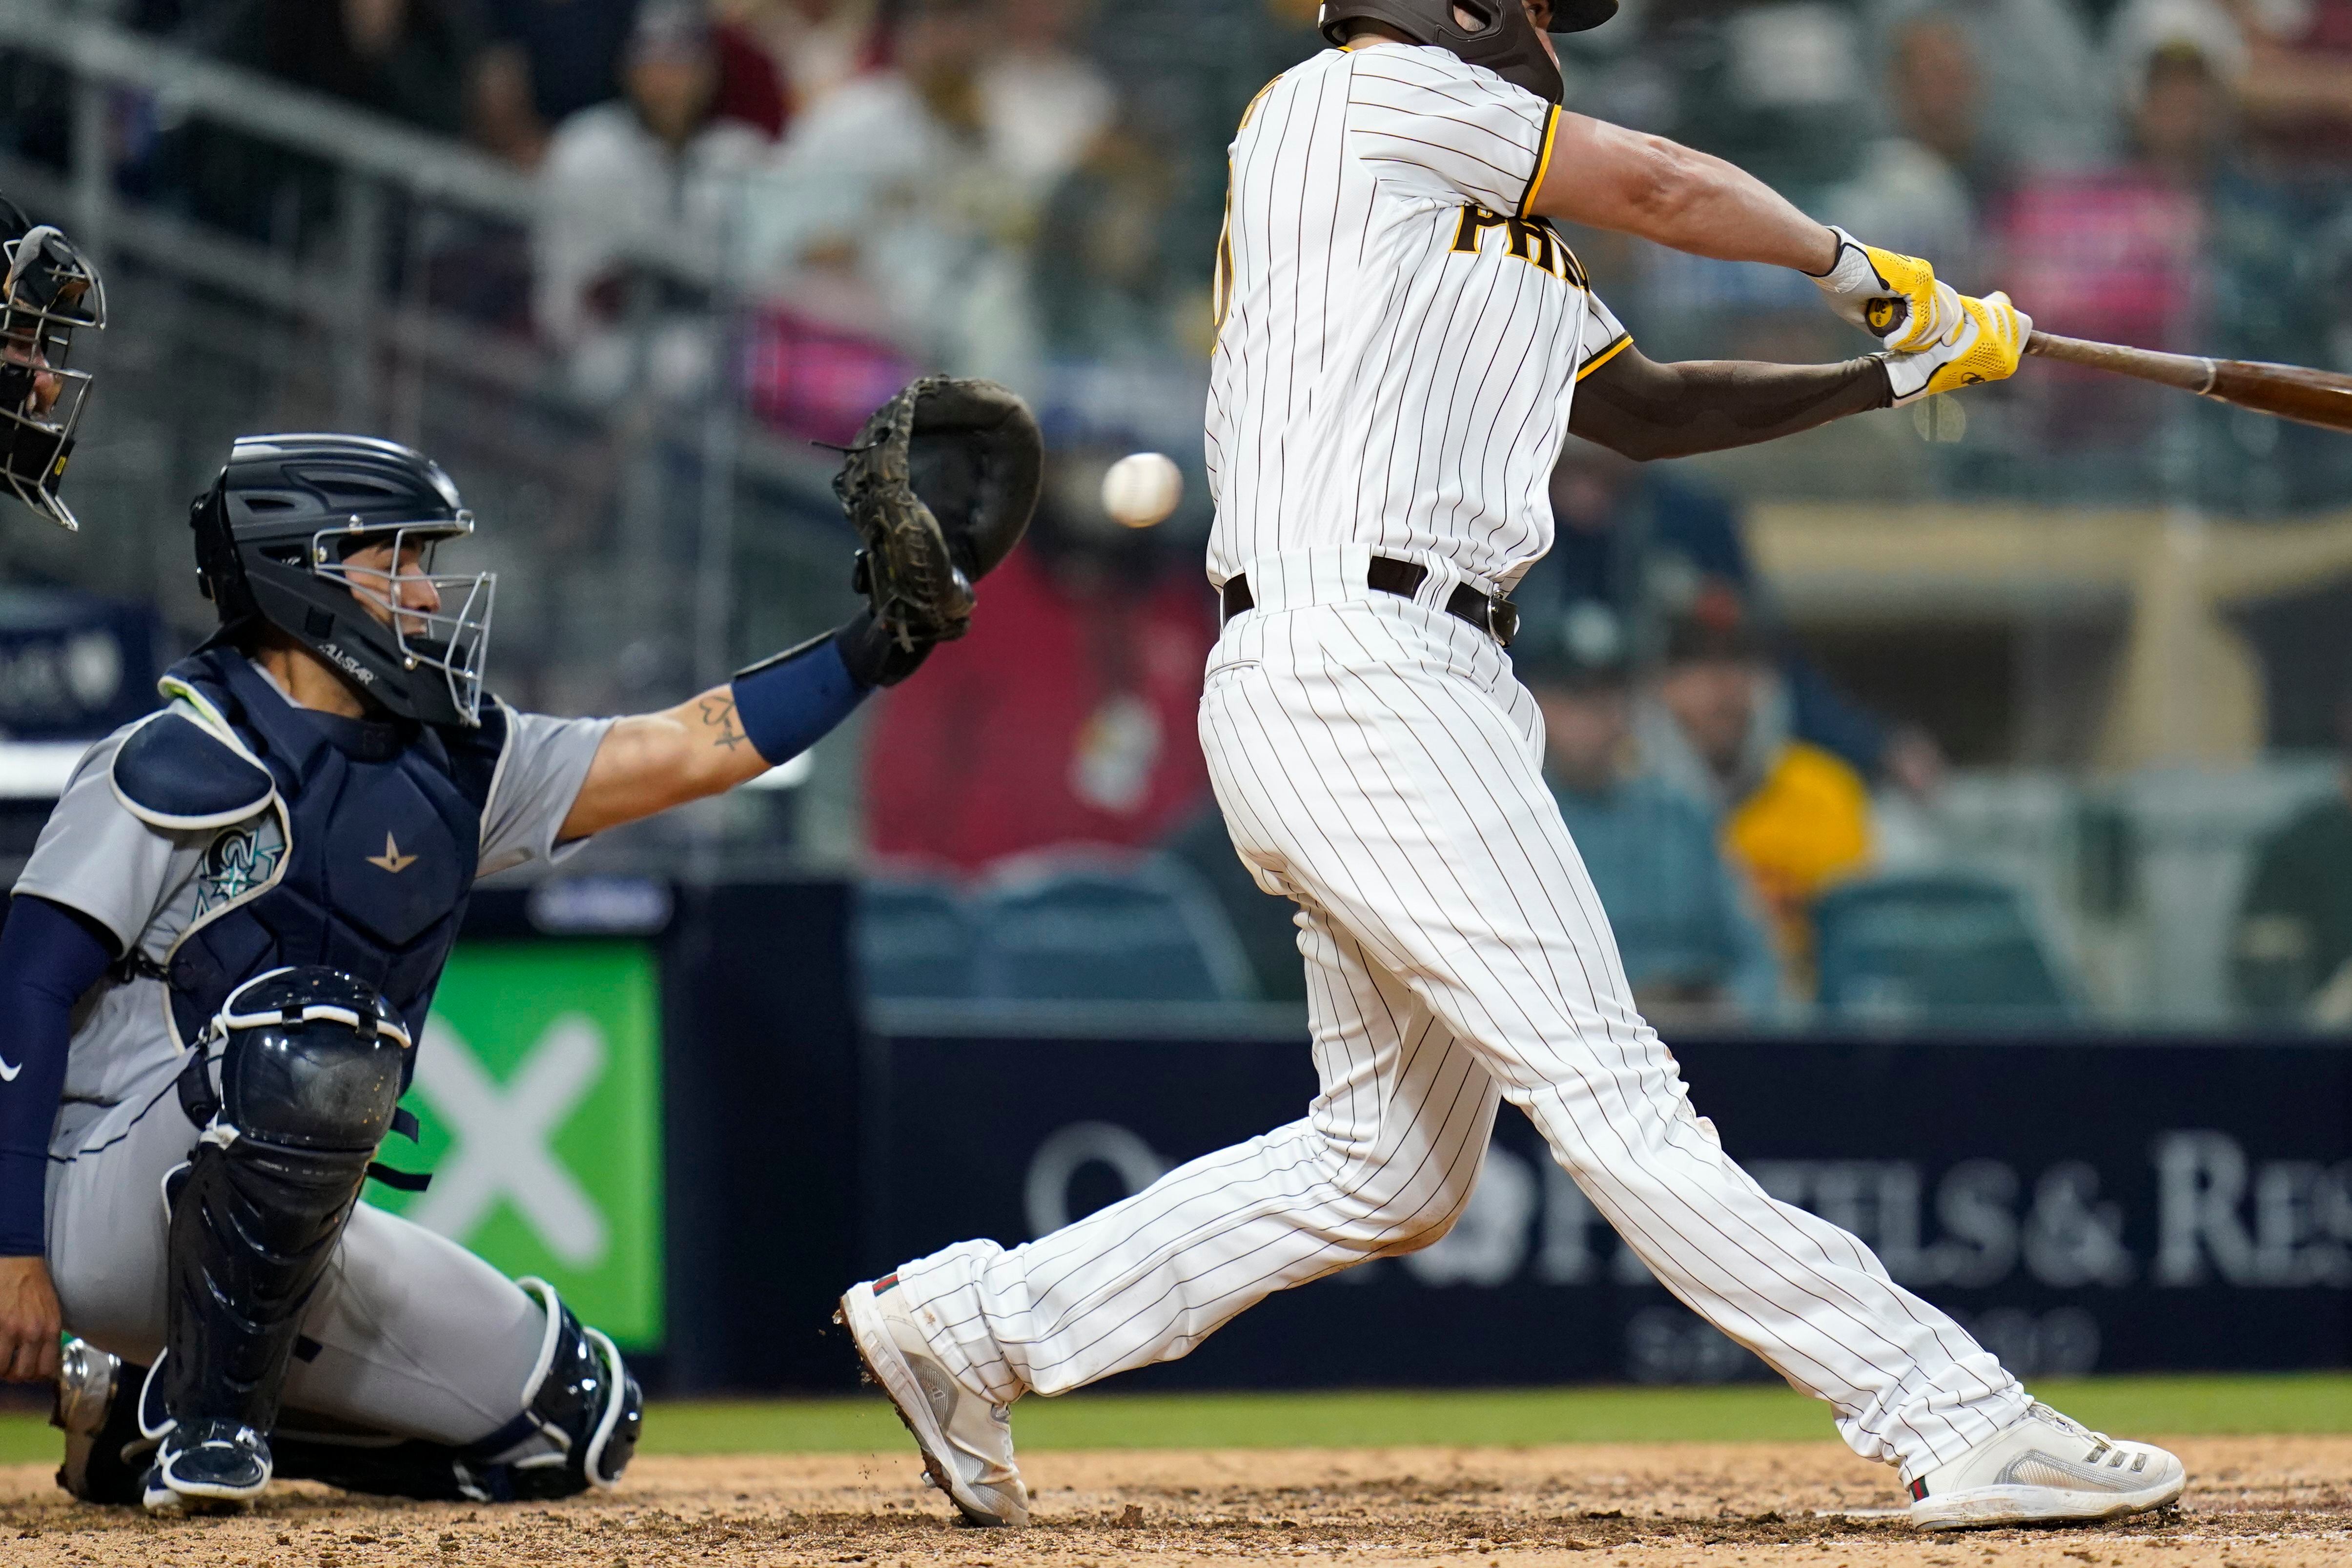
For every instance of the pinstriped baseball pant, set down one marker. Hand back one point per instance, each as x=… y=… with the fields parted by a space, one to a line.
x=1377 y=762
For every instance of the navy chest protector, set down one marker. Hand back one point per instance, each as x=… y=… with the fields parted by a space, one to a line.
x=382 y=826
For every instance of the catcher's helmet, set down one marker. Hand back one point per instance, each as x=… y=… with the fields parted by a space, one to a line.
x=274 y=537
x=50 y=290
x=1495 y=33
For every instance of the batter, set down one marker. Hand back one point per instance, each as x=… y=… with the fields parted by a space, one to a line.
x=1404 y=343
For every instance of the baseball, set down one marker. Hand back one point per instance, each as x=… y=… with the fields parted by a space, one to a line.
x=1141 y=490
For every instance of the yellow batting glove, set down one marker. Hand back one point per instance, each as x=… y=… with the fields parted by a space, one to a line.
x=1985 y=347
x=1892 y=297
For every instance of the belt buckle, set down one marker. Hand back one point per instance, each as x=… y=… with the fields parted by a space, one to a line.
x=1502 y=620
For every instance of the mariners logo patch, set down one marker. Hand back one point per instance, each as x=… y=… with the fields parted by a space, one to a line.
x=240 y=860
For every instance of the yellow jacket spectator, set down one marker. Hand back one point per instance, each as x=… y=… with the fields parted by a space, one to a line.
x=1805 y=825
x=1716 y=723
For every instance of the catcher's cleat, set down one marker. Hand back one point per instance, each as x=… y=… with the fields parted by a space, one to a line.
x=967 y=1441
x=207 y=1463
x=2045 y=1468
x=98 y=1410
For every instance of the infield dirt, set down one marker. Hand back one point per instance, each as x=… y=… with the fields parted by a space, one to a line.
x=2255 y=1503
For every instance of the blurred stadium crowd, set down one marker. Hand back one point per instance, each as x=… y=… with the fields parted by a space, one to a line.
x=2019 y=710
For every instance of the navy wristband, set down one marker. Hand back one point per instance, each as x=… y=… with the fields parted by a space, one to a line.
x=795 y=699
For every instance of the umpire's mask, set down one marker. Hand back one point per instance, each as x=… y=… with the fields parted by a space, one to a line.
x=48 y=292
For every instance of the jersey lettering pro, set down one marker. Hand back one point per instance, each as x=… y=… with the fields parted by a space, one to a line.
x=1398 y=336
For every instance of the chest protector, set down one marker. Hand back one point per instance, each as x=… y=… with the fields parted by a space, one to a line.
x=384 y=831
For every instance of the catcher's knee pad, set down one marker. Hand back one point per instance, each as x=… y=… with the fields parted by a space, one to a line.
x=294 y=1088
x=578 y=1428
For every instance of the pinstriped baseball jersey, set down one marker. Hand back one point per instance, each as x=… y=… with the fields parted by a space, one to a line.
x=1398 y=338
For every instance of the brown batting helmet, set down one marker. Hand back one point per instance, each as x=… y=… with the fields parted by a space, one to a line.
x=1502 y=38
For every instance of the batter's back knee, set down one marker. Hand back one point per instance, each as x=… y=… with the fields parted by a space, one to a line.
x=1428 y=1225
x=1383 y=1222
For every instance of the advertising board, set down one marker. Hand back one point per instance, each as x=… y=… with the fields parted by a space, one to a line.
x=2082 y=1205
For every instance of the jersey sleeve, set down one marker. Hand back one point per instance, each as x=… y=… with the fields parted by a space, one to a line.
x=539 y=777
x=48 y=958
x=1605 y=337
x=1448 y=131
x=94 y=857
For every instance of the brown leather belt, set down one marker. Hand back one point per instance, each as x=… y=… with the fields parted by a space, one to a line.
x=1496 y=617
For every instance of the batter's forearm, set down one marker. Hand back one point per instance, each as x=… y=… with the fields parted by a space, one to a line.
x=1611 y=178
x=1644 y=410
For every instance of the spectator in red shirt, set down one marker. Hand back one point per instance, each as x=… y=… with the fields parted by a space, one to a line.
x=750 y=83
x=818 y=45
x=1067 y=717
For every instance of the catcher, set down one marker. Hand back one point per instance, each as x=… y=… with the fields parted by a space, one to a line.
x=216 y=966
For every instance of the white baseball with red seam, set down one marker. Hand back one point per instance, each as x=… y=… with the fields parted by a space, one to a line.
x=1141 y=490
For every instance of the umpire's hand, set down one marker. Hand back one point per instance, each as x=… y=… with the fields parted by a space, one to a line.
x=29 y=1320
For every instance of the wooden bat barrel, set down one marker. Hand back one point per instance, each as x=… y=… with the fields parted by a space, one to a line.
x=2322 y=397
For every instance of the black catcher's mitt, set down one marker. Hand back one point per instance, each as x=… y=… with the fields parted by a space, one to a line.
x=939 y=486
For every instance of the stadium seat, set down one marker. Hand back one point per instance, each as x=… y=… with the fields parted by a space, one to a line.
x=1934 y=948
x=1064 y=930
x=915 y=941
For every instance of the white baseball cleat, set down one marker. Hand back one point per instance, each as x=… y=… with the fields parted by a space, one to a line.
x=2045 y=1468
x=967 y=1441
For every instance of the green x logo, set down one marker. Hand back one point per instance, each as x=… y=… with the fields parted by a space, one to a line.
x=538 y=1089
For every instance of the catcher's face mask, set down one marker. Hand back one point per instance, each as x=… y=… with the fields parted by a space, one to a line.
x=50 y=291
x=440 y=621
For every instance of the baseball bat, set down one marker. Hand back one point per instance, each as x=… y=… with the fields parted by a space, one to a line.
x=2291 y=391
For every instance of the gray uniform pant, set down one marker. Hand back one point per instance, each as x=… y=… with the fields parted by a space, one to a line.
x=417 y=1336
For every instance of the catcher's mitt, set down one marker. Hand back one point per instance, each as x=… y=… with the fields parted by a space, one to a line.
x=939 y=486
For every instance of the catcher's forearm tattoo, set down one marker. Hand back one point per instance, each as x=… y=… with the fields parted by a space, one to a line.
x=719 y=714
x=1645 y=410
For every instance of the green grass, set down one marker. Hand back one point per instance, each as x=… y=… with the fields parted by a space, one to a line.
x=2155 y=1406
